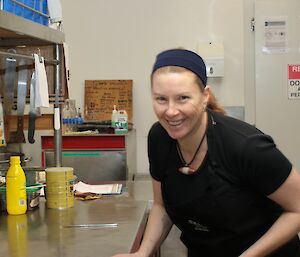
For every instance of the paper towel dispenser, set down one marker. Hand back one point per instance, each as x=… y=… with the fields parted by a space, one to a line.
x=213 y=56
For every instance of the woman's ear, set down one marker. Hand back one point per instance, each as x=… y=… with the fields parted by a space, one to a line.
x=206 y=94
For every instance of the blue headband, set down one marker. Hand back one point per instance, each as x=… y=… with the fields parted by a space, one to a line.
x=182 y=58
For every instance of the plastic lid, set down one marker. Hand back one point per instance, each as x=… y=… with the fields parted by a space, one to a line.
x=59 y=169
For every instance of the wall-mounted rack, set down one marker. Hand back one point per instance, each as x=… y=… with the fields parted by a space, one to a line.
x=16 y=31
x=28 y=57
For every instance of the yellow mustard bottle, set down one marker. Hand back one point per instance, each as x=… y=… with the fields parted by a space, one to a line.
x=15 y=188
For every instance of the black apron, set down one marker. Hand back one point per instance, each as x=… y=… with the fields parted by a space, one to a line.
x=223 y=218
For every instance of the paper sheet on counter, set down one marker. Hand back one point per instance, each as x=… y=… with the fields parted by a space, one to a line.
x=106 y=189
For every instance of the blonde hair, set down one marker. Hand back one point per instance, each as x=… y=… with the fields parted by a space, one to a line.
x=212 y=101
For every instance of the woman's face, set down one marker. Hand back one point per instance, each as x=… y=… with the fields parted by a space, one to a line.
x=178 y=103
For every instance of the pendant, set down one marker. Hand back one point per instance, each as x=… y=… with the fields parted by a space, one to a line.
x=186 y=170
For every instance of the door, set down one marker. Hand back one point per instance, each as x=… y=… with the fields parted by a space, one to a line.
x=277 y=45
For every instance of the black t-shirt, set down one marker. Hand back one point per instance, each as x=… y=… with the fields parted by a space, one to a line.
x=241 y=149
x=247 y=167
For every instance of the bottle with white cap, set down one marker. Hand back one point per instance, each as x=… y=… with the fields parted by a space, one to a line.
x=114 y=116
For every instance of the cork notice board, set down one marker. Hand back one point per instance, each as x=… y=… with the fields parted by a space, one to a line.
x=102 y=95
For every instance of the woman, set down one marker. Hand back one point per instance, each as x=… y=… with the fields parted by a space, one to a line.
x=222 y=182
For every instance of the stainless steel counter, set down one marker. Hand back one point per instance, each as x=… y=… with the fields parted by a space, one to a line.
x=42 y=232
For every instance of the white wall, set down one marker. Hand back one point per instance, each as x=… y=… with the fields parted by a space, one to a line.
x=119 y=40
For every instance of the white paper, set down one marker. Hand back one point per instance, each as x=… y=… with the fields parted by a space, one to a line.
x=98 y=189
x=41 y=83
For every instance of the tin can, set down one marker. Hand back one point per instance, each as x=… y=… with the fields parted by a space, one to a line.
x=59 y=187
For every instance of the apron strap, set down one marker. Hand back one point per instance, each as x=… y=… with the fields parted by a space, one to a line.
x=212 y=152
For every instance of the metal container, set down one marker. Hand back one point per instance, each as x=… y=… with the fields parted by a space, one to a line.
x=33 y=197
x=5 y=159
x=32 y=175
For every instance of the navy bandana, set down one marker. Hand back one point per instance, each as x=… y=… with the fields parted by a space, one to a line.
x=182 y=58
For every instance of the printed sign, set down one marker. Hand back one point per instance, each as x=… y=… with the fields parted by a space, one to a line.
x=275 y=35
x=294 y=81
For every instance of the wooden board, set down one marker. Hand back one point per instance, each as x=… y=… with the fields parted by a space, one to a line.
x=102 y=95
x=43 y=122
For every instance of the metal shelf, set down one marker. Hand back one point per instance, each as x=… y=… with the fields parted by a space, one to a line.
x=18 y=31
x=15 y=30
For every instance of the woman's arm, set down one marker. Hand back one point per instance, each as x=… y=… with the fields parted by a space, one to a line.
x=158 y=226
x=287 y=225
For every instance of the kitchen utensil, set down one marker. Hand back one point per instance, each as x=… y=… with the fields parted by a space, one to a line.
x=22 y=90
x=8 y=89
x=2 y=129
x=41 y=83
x=32 y=175
x=97 y=225
x=18 y=136
x=9 y=82
x=32 y=111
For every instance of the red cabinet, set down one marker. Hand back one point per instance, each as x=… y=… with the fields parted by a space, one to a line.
x=87 y=142
x=93 y=157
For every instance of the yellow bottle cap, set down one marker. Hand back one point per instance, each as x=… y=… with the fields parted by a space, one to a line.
x=15 y=159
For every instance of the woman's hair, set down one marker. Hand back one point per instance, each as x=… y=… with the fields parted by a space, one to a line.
x=212 y=101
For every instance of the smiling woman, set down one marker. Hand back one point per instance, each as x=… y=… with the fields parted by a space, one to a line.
x=233 y=184
x=180 y=98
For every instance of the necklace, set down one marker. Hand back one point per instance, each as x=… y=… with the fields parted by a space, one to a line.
x=187 y=170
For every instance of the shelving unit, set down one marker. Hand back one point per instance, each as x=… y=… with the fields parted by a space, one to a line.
x=16 y=31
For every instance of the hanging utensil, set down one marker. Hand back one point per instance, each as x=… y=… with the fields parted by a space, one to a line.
x=9 y=83
x=8 y=90
x=32 y=111
x=21 y=101
x=2 y=135
x=18 y=136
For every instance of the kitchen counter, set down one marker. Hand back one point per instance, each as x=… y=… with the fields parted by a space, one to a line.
x=43 y=232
